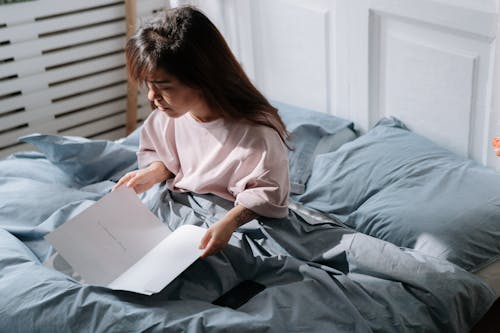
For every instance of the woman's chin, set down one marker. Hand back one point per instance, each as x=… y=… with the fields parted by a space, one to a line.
x=169 y=112
x=164 y=109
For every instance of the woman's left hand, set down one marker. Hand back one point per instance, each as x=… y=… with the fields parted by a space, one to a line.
x=216 y=237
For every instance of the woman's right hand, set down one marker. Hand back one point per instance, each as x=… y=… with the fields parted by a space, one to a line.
x=143 y=179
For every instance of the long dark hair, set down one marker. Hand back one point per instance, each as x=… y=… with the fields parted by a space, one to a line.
x=187 y=45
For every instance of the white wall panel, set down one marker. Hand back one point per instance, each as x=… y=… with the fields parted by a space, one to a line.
x=427 y=79
x=426 y=62
x=292 y=44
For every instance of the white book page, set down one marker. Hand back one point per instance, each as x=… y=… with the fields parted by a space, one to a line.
x=163 y=263
x=106 y=239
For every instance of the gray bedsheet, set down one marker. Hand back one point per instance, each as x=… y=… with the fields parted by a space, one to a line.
x=320 y=276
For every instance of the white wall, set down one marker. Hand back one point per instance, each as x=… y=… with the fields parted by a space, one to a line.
x=428 y=62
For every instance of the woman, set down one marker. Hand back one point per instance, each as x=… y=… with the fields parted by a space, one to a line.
x=211 y=130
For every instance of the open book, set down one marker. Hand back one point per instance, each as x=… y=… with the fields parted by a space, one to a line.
x=120 y=244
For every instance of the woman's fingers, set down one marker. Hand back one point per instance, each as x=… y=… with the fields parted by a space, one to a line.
x=207 y=244
x=123 y=180
x=139 y=188
x=140 y=180
x=132 y=181
x=140 y=183
x=204 y=241
x=211 y=244
x=209 y=249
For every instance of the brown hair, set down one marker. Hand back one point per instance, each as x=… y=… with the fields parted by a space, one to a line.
x=187 y=45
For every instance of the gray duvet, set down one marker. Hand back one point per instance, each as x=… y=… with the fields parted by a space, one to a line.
x=320 y=276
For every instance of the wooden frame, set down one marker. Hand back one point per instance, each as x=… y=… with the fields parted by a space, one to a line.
x=130 y=20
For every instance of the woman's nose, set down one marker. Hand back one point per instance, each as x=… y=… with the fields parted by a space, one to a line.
x=152 y=94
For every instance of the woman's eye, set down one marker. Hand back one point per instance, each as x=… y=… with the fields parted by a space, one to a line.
x=159 y=87
x=165 y=88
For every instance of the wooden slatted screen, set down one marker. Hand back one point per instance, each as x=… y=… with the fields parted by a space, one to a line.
x=62 y=69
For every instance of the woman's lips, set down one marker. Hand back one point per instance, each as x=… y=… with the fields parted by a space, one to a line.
x=162 y=107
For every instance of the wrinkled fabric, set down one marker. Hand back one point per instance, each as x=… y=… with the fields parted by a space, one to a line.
x=396 y=185
x=311 y=134
x=320 y=275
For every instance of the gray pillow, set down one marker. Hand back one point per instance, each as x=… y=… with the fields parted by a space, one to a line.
x=398 y=186
x=86 y=161
x=312 y=133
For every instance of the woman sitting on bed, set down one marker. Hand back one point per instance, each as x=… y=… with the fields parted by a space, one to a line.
x=211 y=130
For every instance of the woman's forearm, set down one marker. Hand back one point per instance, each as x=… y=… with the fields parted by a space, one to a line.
x=238 y=216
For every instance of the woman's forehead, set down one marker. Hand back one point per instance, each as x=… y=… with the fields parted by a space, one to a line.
x=160 y=76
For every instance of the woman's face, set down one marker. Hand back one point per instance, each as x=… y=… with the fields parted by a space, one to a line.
x=171 y=96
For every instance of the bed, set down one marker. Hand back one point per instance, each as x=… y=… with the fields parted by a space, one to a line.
x=387 y=232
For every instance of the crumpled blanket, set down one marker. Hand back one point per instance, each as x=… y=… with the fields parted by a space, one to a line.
x=320 y=276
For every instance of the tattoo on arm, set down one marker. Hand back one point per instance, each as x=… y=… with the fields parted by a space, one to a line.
x=245 y=216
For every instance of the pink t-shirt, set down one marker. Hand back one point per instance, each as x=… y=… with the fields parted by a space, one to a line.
x=236 y=160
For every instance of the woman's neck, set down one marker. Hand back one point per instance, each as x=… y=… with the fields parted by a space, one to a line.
x=204 y=114
x=204 y=119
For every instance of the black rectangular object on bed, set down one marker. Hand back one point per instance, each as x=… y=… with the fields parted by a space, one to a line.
x=239 y=294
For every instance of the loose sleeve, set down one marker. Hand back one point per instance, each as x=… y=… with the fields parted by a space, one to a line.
x=147 y=153
x=157 y=142
x=263 y=185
